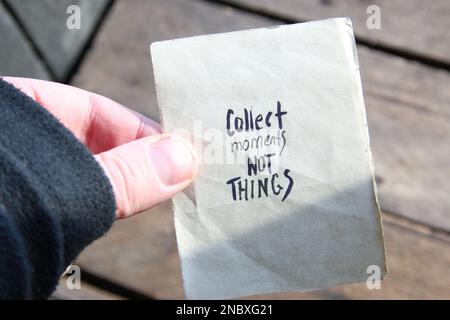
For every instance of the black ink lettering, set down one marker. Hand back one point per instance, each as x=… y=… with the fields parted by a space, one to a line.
x=246 y=117
x=229 y=113
x=242 y=189
x=262 y=185
x=238 y=124
x=276 y=192
x=251 y=167
x=268 y=123
x=283 y=135
x=233 y=187
x=245 y=145
x=269 y=161
x=258 y=119
x=291 y=183
x=261 y=163
x=257 y=142
x=279 y=114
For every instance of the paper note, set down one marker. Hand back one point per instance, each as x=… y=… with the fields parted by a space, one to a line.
x=284 y=199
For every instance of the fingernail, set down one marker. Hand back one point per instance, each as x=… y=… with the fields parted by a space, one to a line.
x=173 y=160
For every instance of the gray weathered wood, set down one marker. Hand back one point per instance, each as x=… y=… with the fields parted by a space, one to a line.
x=122 y=70
x=86 y=292
x=16 y=55
x=139 y=253
x=409 y=123
x=419 y=27
x=408 y=112
x=45 y=22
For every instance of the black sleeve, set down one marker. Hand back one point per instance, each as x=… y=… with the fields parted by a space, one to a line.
x=54 y=197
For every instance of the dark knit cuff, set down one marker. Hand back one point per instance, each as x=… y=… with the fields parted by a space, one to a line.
x=53 y=176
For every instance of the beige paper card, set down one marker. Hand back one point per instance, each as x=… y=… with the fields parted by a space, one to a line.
x=285 y=197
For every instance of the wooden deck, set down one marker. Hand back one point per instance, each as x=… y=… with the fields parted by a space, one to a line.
x=406 y=78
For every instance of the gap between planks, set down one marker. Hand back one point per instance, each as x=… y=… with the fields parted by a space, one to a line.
x=267 y=13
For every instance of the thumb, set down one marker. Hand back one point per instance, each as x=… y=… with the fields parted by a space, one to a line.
x=147 y=171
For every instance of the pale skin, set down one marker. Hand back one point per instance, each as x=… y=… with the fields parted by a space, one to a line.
x=144 y=166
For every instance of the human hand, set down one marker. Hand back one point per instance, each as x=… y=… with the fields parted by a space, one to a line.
x=144 y=166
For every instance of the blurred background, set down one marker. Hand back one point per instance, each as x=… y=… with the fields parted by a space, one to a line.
x=404 y=53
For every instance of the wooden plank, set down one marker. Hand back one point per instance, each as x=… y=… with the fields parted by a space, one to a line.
x=407 y=106
x=409 y=124
x=418 y=27
x=122 y=70
x=407 y=102
x=45 y=22
x=140 y=254
x=16 y=55
x=86 y=292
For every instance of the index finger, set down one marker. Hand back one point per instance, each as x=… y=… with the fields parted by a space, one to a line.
x=99 y=122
